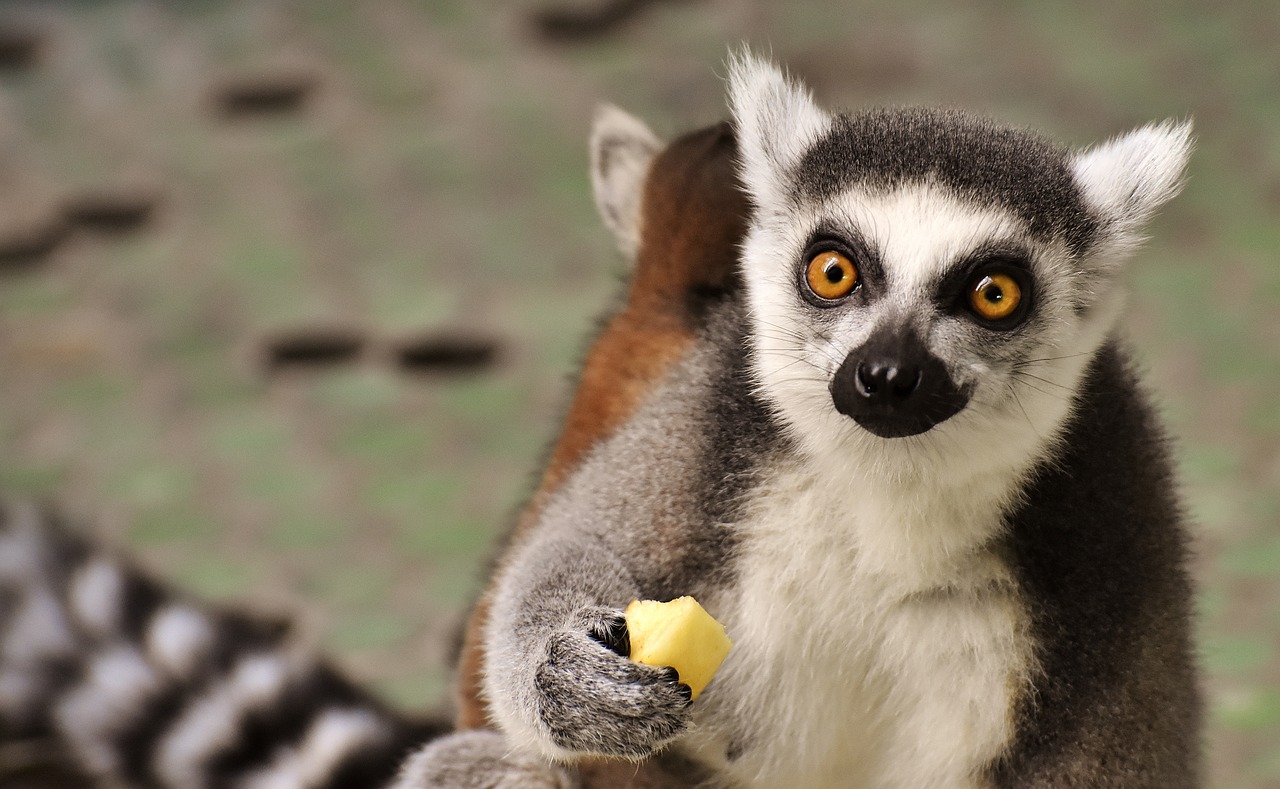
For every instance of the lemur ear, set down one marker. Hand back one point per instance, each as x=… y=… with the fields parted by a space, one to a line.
x=1126 y=179
x=776 y=119
x=622 y=148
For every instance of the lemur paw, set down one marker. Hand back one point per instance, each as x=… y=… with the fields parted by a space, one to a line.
x=478 y=760
x=594 y=700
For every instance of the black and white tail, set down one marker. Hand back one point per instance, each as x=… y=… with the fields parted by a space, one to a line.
x=145 y=687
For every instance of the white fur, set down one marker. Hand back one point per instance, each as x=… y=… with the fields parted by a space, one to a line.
x=95 y=595
x=210 y=722
x=176 y=638
x=776 y=120
x=622 y=148
x=919 y=231
x=39 y=631
x=1126 y=179
x=116 y=685
x=879 y=640
x=330 y=738
x=853 y=672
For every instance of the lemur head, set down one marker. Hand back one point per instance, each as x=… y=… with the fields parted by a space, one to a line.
x=926 y=287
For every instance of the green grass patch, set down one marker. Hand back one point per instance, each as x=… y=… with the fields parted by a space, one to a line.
x=293 y=486
x=424 y=689
x=215 y=577
x=354 y=587
x=172 y=525
x=357 y=390
x=1235 y=655
x=154 y=484
x=368 y=630
x=246 y=435
x=440 y=538
x=1209 y=462
x=1257 y=557
x=27 y=294
x=1256 y=710
x=410 y=497
x=31 y=480
x=389 y=439
x=299 y=531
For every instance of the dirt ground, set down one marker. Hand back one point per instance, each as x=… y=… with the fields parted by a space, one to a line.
x=290 y=291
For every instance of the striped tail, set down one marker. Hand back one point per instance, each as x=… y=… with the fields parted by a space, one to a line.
x=145 y=687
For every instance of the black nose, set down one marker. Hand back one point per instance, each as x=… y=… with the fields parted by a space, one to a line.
x=887 y=382
x=893 y=386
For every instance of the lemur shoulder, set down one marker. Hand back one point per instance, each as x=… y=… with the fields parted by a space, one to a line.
x=909 y=467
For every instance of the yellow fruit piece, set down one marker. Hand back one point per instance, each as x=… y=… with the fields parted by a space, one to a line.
x=680 y=634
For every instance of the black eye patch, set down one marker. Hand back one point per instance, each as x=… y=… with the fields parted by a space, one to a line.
x=851 y=245
x=992 y=286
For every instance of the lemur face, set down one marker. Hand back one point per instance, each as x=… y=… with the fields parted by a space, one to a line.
x=926 y=284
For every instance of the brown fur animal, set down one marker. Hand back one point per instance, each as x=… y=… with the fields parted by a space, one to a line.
x=683 y=239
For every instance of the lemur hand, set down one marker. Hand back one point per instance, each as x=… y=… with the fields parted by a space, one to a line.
x=594 y=700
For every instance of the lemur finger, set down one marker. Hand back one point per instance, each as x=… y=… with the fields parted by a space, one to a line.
x=611 y=631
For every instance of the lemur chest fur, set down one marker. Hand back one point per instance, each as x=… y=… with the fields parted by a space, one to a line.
x=863 y=655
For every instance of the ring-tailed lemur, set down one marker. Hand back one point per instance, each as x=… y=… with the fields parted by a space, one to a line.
x=910 y=470
x=147 y=687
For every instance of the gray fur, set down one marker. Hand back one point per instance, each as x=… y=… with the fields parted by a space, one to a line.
x=1117 y=703
x=982 y=161
x=479 y=760
x=1076 y=580
x=628 y=528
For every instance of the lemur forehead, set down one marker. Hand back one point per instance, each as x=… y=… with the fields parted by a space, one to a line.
x=918 y=234
x=979 y=160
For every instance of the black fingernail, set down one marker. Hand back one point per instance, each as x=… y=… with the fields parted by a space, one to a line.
x=685 y=691
x=671 y=675
x=613 y=634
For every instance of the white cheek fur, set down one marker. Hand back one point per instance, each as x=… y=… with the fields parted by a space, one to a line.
x=918 y=232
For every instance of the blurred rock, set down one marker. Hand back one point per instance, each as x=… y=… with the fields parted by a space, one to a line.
x=446 y=352
x=565 y=23
x=275 y=92
x=113 y=209
x=20 y=45
x=27 y=243
x=314 y=348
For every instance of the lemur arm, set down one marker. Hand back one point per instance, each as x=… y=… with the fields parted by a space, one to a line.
x=557 y=676
x=694 y=216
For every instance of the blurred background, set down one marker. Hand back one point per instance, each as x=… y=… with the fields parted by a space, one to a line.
x=290 y=292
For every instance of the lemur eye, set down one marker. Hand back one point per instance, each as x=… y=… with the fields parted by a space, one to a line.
x=994 y=296
x=831 y=275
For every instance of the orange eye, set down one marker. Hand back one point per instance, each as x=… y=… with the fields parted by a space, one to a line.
x=994 y=296
x=831 y=276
